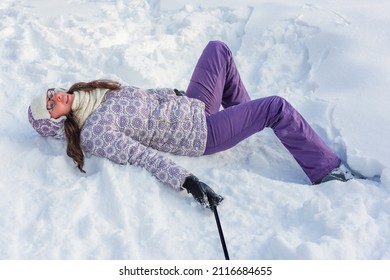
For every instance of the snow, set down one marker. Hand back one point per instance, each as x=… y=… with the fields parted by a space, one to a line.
x=329 y=58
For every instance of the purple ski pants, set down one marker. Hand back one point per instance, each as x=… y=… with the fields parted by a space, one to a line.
x=216 y=82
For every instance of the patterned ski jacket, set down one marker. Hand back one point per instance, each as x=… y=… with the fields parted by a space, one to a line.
x=131 y=125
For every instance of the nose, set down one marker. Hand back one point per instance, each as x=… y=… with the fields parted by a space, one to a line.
x=58 y=97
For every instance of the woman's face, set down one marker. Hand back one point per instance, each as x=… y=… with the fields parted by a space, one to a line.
x=59 y=104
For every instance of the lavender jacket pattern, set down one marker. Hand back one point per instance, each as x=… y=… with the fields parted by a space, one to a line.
x=132 y=125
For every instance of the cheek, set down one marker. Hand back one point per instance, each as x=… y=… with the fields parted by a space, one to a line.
x=60 y=110
x=66 y=109
x=54 y=114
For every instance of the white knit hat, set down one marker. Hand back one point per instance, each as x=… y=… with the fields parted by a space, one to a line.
x=41 y=120
x=38 y=107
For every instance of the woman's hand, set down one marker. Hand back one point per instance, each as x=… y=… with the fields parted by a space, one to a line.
x=201 y=192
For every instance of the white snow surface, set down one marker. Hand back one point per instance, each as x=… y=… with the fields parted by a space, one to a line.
x=329 y=58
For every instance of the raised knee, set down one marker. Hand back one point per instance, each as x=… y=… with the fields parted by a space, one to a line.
x=219 y=46
x=278 y=100
x=280 y=105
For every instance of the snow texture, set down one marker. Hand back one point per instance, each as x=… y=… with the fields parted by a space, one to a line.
x=329 y=58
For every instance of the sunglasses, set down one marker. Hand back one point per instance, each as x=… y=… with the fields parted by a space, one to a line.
x=50 y=93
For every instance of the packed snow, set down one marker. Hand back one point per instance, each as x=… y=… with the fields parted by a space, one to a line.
x=328 y=58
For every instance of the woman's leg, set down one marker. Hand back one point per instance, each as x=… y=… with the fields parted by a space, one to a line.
x=215 y=79
x=232 y=125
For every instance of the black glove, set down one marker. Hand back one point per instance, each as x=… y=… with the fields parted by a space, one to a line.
x=179 y=92
x=202 y=192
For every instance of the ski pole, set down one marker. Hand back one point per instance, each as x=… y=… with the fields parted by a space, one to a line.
x=225 y=251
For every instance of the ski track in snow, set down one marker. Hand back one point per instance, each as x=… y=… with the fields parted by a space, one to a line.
x=50 y=211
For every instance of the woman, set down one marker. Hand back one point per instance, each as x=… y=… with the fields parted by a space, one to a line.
x=129 y=125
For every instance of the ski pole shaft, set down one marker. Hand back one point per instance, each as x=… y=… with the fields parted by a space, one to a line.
x=225 y=251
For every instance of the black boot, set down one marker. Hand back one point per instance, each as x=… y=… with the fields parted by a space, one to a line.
x=341 y=173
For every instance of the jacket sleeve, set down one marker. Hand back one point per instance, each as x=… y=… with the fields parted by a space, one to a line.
x=121 y=149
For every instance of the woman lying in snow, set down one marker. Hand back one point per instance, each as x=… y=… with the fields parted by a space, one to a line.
x=126 y=124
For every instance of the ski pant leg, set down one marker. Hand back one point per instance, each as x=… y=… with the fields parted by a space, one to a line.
x=232 y=125
x=216 y=80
